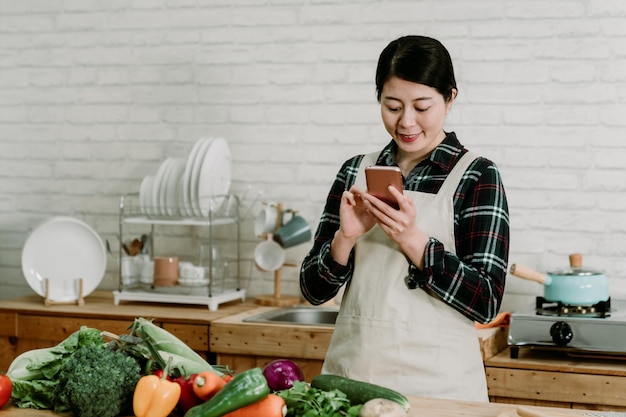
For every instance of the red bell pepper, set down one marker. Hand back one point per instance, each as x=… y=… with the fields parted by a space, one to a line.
x=188 y=397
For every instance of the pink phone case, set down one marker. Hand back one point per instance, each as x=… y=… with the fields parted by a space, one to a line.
x=379 y=178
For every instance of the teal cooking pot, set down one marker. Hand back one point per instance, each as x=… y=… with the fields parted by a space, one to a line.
x=572 y=286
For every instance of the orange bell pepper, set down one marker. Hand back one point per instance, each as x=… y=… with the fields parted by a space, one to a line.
x=155 y=397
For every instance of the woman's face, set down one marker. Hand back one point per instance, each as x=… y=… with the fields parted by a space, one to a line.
x=414 y=115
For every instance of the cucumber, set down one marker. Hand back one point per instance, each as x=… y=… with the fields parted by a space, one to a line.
x=358 y=392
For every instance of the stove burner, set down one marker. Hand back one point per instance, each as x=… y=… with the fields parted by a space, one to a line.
x=544 y=307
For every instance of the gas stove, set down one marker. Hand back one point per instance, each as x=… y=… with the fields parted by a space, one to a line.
x=598 y=330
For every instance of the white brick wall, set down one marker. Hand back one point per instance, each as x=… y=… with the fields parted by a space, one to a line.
x=94 y=95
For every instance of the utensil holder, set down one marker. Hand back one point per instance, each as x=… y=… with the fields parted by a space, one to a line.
x=277 y=299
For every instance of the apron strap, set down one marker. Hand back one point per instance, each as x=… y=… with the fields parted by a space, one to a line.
x=368 y=159
x=453 y=179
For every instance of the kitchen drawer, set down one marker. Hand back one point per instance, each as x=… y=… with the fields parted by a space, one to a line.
x=57 y=329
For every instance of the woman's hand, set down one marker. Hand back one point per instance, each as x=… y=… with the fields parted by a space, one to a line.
x=355 y=219
x=354 y=215
x=399 y=224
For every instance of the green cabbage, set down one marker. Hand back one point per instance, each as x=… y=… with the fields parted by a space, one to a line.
x=34 y=373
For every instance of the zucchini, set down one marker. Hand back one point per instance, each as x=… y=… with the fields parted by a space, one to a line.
x=358 y=392
x=244 y=389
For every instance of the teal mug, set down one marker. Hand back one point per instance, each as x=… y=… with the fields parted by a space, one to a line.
x=293 y=232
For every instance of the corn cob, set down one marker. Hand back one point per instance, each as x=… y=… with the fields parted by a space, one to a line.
x=165 y=345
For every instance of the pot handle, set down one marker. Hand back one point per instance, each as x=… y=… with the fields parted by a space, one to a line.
x=525 y=272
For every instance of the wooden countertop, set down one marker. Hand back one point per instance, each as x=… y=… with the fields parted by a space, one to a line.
x=420 y=407
x=99 y=304
x=226 y=324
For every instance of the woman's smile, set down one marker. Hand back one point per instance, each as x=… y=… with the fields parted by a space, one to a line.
x=408 y=138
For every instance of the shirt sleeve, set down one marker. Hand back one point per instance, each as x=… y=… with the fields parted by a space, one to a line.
x=321 y=277
x=472 y=280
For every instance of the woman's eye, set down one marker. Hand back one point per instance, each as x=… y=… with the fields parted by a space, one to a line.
x=393 y=109
x=421 y=110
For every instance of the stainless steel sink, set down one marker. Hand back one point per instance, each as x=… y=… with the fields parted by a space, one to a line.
x=308 y=316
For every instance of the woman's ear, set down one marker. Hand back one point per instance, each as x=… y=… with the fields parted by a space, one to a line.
x=453 y=93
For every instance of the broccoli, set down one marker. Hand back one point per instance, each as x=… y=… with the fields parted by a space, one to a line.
x=96 y=382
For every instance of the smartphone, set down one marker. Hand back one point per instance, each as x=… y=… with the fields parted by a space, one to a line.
x=379 y=178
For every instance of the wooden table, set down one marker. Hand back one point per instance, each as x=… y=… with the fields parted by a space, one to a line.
x=420 y=407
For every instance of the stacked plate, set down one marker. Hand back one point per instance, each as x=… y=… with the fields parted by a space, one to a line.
x=190 y=187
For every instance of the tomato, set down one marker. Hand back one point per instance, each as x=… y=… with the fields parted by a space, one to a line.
x=5 y=390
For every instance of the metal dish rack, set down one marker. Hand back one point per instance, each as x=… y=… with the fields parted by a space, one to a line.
x=222 y=211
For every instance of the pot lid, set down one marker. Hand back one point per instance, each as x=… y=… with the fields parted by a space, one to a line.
x=576 y=268
x=575 y=272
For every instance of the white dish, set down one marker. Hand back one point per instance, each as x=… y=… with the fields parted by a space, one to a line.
x=195 y=174
x=163 y=188
x=214 y=177
x=171 y=196
x=186 y=201
x=143 y=191
x=183 y=206
x=157 y=186
x=146 y=200
x=63 y=250
x=193 y=282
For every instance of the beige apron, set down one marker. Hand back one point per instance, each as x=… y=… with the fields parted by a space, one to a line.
x=407 y=340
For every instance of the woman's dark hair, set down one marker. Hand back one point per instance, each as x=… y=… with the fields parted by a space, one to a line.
x=418 y=59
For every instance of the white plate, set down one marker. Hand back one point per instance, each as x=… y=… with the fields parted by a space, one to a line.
x=195 y=174
x=144 y=193
x=193 y=282
x=214 y=177
x=186 y=203
x=163 y=187
x=183 y=206
x=171 y=196
x=157 y=186
x=146 y=197
x=63 y=250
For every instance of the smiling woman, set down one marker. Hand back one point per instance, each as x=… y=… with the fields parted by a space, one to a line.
x=437 y=261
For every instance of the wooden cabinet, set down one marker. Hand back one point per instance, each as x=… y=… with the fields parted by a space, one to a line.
x=553 y=379
x=309 y=367
x=27 y=324
x=243 y=345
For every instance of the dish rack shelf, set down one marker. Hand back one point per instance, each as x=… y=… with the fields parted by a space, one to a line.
x=217 y=288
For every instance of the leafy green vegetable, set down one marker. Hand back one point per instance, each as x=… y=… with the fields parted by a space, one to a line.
x=96 y=382
x=34 y=373
x=302 y=400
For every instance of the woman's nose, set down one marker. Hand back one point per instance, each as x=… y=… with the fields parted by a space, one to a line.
x=408 y=118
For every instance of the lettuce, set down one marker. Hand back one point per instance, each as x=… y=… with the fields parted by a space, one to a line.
x=34 y=373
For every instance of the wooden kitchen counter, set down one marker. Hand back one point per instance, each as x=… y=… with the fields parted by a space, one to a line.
x=245 y=345
x=100 y=304
x=26 y=323
x=551 y=378
x=419 y=408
